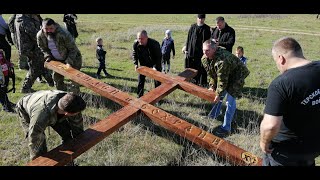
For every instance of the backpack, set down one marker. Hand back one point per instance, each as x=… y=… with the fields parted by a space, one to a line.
x=8 y=71
x=4 y=64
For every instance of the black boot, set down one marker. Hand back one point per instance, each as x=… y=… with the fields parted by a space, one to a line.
x=8 y=108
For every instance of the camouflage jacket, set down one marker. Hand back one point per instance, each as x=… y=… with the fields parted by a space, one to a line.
x=27 y=27
x=65 y=45
x=13 y=29
x=41 y=108
x=226 y=72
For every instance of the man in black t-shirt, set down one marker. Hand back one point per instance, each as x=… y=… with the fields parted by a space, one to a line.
x=290 y=129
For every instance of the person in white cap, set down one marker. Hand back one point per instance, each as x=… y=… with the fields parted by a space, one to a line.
x=166 y=47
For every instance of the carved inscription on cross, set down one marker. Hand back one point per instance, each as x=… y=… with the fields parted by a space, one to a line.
x=65 y=153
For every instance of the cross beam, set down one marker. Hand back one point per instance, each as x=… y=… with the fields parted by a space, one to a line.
x=201 y=92
x=132 y=106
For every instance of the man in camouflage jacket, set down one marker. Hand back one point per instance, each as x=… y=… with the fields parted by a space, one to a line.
x=52 y=108
x=27 y=27
x=227 y=74
x=58 y=44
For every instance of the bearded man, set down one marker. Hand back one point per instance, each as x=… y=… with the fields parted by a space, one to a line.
x=58 y=44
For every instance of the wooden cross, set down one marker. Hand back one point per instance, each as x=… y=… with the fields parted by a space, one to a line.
x=65 y=153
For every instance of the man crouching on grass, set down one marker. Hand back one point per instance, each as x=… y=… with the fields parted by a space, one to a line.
x=52 y=108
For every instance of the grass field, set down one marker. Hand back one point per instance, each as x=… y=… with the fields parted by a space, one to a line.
x=140 y=142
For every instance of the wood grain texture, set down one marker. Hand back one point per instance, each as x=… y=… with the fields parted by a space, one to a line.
x=64 y=154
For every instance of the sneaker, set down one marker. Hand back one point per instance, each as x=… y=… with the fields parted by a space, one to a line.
x=98 y=76
x=222 y=133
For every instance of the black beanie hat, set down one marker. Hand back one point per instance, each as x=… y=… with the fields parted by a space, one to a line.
x=200 y=16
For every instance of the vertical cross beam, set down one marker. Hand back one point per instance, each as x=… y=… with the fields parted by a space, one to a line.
x=67 y=152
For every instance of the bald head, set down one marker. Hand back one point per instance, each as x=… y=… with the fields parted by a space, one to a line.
x=288 y=47
x=287 y=53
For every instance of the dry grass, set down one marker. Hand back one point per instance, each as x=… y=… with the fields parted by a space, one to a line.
x=140 y=142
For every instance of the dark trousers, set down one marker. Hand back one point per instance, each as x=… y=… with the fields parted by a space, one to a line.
x=102 y=66
x=72 y=28
x=5 y=46
x=141 y=82
x=283 y=158
x=165 y=59
x=69 y=128
x=64 y=130
x=36 y=69
x=201 y=77
x=4 y=100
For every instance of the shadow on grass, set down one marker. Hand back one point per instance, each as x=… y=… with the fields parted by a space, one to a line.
x=96 y=68
x=242 y=119
x=90 y=120
x=206 y=105
x=187 y=154
x=248 y=120
x=97 y=101
x=110 y=76
x=259 y=94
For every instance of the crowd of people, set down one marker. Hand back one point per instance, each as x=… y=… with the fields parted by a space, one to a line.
x=293 y=96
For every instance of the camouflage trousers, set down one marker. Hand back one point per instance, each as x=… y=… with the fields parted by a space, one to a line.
x=23 y=62
x=68 y=128
x=59 y=80
x=36 y=69
x=25 y=122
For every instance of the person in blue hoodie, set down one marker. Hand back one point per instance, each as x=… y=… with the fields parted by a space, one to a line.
x=166 y=47
x=239 y=54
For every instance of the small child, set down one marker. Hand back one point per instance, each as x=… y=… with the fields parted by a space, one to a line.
x=4 y=81
x=101 y=56
x=166 y=47
x=239 y=54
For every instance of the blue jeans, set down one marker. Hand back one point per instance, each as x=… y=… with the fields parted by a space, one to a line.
x=231 y=109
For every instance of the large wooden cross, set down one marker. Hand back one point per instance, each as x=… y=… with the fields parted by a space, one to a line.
x=132 y=106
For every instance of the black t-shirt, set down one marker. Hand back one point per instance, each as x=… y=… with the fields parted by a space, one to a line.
x=295 y=95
